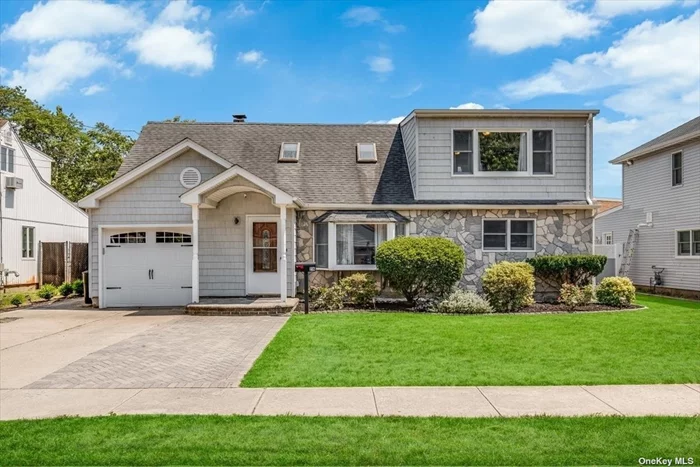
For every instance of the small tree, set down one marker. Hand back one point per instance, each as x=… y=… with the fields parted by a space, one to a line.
x=421 y=265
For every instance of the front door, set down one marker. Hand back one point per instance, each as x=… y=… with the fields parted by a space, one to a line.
x=263 y=276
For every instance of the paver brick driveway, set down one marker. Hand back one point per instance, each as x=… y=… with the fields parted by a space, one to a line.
x=183 y=351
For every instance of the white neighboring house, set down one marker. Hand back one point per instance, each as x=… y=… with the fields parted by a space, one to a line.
x=31 y=210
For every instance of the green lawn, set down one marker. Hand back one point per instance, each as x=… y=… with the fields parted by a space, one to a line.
x=212 y=440
x=658 y=345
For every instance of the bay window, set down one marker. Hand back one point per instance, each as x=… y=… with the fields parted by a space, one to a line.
x=508 y=235
x=349 y=245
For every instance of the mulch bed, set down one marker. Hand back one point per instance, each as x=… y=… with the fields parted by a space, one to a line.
x=557 y=308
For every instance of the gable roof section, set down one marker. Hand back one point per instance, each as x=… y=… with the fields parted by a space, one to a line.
x=327 y=170
x=678 y=135
x=93 y=200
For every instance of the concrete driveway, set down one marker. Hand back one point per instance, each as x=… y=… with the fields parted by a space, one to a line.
x=67 y=346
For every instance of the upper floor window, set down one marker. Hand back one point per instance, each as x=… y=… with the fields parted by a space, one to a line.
x=366 y=152
x=502 y=151
x=677 y=168
x=289 y=152
x=7 y=159
x=542 y=152
x=462 y=147
x=607 y=238
x=28 y=242
x=509 y=235
x=515 y=152
x=688 y=243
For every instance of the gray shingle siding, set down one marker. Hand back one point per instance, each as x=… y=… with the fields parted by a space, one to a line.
x=435 y=180
x=647 y=188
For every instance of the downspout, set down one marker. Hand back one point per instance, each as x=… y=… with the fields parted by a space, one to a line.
x=589 y=122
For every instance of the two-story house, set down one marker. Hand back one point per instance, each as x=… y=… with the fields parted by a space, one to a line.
x=661 y=201
x=31 y=210
x=225 y=209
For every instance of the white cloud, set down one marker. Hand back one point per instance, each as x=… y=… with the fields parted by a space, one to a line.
x=507 y=27
x=74 y=19
x=182 y=11
x=241 y=11
x=63 y=64
x=92 y=89
x=380 y=65
x=610 y=8
x=367 y=15
x=391 y=121
x=408 y=92
x=174 y=47
x=252 y=57
x=469 y=105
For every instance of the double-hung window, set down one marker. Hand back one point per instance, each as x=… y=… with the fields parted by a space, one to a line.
x=677 y=169
x=350 y=246
x=688 y=243
x=7 y=159
x=607 y=238
x=505 y=151
x=509 y=235
x=27 y=242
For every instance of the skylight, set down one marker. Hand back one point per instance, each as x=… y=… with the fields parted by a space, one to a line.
x=366 y=152
x=289 y=152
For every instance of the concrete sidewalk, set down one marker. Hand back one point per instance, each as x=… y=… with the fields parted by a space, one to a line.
x=487 y=401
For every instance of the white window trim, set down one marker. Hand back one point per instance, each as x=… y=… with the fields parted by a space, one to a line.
x=607 y=235
x=508 y=248
x=287 y=159
x=35 y=244
x=14 y=161
x=675 y=244
x=357 y=150
x=673 y=185
x=332 y=251
x=475 y=152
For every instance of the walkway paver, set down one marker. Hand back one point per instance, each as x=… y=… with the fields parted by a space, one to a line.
x=516 y=401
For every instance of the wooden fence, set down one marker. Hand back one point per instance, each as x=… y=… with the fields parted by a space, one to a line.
x=62 y=262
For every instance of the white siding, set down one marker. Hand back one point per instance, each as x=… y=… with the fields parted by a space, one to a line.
x=434 y=169
x=54 y=217
x=647 y=188
x=408 y=135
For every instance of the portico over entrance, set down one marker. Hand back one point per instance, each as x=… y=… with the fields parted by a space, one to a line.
x=242 y=237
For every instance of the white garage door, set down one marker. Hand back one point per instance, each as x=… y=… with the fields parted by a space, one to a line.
x=147 y=267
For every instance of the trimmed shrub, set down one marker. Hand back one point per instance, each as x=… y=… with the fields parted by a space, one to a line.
x=573 y=296
x=462 y=301
x=17 y=299
x=509 y=286
x=615 y=291
x=588 y=294
x=78 y=287
x=47 y=291
x=326 y=298
x=557 y=270
x=359 y=289
x=65 y=289
x=418 y=266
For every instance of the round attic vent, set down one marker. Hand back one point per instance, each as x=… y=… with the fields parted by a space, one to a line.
x=190 y=177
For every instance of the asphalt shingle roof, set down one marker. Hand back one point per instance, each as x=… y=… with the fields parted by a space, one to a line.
x=682 y=130
x=327 y=170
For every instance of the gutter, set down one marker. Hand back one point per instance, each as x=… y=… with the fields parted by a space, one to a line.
x=444 y=207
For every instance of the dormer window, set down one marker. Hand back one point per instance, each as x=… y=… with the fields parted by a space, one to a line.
x=366 y=152
x=289 y=152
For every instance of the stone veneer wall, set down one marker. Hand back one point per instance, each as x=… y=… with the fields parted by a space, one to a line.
x=558 y=232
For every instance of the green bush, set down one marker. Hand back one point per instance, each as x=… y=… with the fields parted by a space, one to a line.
x=418 y=266
x=462 y=301
x=65 y=289
x=557 y=270
x=573 y=296
x=326 y=298
x=17 y=299
x=615 y=291
x=78 y=287
x=359 y=289
x=588 y=294
x=509 y=286
x=47 y=291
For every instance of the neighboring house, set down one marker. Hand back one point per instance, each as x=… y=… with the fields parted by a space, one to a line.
x=606 y=204
x=31 y=210
x=225 y=209
x=661 y=198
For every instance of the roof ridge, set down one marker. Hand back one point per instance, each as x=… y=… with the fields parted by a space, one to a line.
x=150 y=122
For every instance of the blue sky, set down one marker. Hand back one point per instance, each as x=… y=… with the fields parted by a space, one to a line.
x=638 y=61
